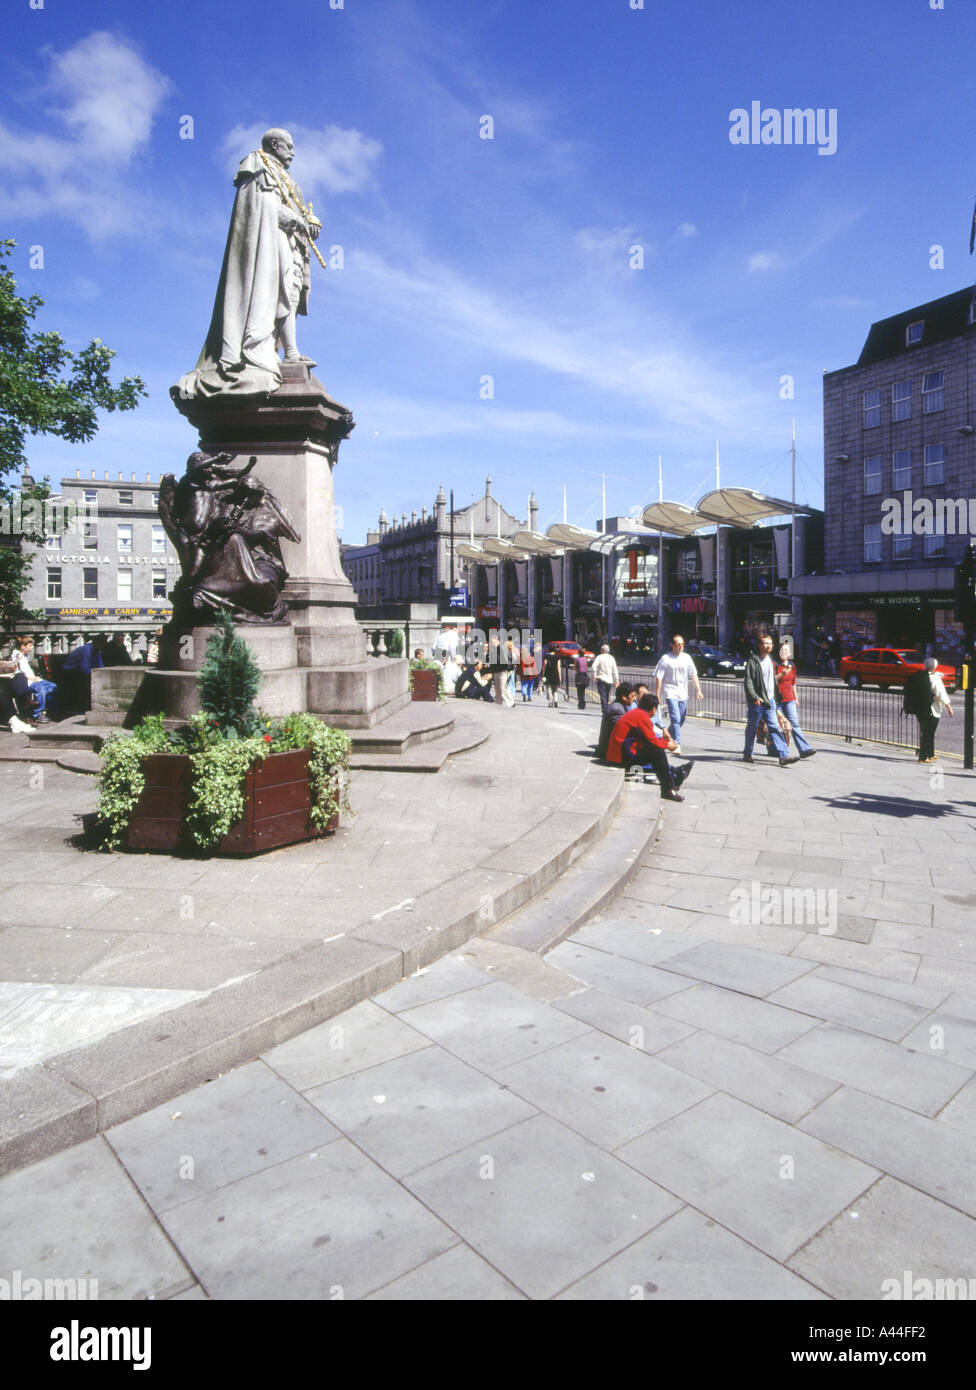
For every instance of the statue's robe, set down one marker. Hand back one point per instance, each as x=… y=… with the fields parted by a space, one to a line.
x=265 y=274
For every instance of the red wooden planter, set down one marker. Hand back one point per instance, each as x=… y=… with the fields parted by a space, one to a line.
x=424 y=684
x=277 y=801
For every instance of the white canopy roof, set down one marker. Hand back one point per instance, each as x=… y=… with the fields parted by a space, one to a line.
x=675 y=517
x=571 y=537
x=740 y=506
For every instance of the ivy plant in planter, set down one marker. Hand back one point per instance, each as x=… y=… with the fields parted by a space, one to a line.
x=426 y=679
x=231 y=780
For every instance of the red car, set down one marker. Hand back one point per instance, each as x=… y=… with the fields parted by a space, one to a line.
x=887 y=666
x=567 y=651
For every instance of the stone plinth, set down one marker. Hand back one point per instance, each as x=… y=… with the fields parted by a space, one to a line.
x=295 y=433
x=350 y=697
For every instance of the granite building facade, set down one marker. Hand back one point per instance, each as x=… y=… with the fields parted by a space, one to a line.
x=899 y=440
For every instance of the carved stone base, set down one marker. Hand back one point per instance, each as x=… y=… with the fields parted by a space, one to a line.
x=350 y=697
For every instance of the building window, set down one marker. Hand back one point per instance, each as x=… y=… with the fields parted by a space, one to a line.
x=901 y=400
x=872 y=409
x=159 y=583
x=872 y=543
x=934 y=464
x=155 y=500
x=91 y=535
x=913 y=333
x=933 y=396
x=125 y=538
x=159 y=540
x=935 y=540
x=90 y=583
x=90 y=495
x=872 y=475
x=125 y=586
x=125 y=497
x=52 y=542
x=901 y=469
x=901 y=543
x=54 y=582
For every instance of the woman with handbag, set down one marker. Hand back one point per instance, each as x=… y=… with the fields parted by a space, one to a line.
x=786 y=702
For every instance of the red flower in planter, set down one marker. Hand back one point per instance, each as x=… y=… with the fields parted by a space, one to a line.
x=268 y=738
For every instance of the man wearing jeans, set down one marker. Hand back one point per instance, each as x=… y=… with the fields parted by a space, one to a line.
x=760 y=683
x=672 y=675
x=606 y=675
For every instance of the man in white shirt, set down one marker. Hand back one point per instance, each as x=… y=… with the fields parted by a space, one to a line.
x=672 y=674
x=606 y=675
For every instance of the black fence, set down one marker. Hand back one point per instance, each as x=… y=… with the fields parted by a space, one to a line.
x=873 y=716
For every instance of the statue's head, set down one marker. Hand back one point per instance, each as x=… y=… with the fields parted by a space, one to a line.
x=278 y=143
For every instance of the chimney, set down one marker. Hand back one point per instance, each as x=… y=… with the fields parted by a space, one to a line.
x=120 y=477
x=77 y=472
x=93 y=474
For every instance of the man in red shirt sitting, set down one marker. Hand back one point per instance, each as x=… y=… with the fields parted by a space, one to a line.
x=636 y=741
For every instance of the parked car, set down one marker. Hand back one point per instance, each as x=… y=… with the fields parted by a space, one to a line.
x=567 y=651
x=888 y=666
x=713 y=661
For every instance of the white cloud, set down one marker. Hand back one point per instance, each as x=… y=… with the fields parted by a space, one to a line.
x=765 y=260
x=107 y=97
x=686 y=229
x=334 y=159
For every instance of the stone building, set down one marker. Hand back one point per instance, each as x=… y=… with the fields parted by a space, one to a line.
x=899 y=428
x=112 y=569
x=409 y=560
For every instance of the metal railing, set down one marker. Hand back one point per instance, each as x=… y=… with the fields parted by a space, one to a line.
x=872 y=716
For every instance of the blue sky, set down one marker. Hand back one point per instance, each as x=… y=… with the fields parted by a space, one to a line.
x=510 y=257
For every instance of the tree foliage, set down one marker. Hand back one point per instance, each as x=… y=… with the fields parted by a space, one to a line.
x=229 y=678
x=44 y=389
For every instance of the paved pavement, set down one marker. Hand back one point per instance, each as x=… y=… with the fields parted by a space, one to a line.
x=752 y=1076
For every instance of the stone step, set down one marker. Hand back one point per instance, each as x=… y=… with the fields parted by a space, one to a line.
x=429 y=757
x=594 y=880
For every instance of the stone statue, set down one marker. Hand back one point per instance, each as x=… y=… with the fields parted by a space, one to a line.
x=264 y=280
x=227 y=528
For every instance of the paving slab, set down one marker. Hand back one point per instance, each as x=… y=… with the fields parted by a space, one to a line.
x=920 y=1080
x=77 y=1216
x=887 y=1239
x=619 y=1018
x=739 y=968
x=763 y=1181
x=859 y=1009
x=740 y=1017
x=409 y=1111
x=492 y=1026
x=936 y=1158
x=357 y=1039
x=603 y=1089
x=692 y=1259
x=772 y=1084
x=326 y=1225
x=216 y=1134
x=627 y=979
x=515 y=1199
x=457 y=1276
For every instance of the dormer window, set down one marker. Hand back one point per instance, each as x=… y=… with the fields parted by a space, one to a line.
x=913 y=333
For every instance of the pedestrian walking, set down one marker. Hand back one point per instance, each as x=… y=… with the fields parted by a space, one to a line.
x=925 y=697
x=672 y=674
x=786 y=700
x=606 y=675
x=528 y=671
x=551 y=676
x=501 y=666
x=760 y=688
x=582 y=677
